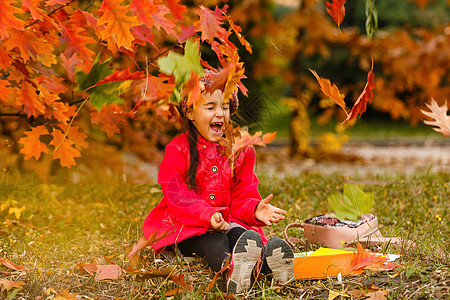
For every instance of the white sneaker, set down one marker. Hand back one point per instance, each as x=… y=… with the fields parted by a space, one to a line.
x=280 y=259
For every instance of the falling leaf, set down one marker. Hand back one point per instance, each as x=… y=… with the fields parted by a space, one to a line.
x=6 y=284
x=144 y=10
x=363 y=259
x=351 y=204
x=330 y=90
x=210 y=23
x=120 y=76
x=366 y=96
x=336 y=10
x=11 y=265
x=237 y=30
x=110 y=121
x=64 y=149
x=160 y=20
x=439 y=115
x=118 y=23
x=32 y=6
x=33 y=147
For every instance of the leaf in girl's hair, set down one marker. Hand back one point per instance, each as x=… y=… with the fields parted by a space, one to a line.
x=330 y=90
x=366 y=96
x=192 y=90
x=234 y=77
x=210 y=23
x=363 y=259
x=439 y=116
x=336 y=10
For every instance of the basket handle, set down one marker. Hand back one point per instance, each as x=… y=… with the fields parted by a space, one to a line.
x=292 y=240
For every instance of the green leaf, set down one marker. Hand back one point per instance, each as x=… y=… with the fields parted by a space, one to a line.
x=352 y=204
x=104 y=94
x=181 y=66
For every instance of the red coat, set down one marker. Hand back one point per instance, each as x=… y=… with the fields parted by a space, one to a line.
x=186 y=213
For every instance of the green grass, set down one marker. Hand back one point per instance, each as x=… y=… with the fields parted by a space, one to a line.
x=60 y=226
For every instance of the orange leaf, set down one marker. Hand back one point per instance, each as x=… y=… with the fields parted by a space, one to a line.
x=110 y=120
x=30 y=46
x=192 y=89
x=210 y=23
x=5 y=59
x=237 y=30
x=117 y=22
x=6 y=284
x=8 y=19
x=234 y=77
x=331 y=91
x=363 y=259
x=76 y=42
x=11 y=265
x=144 y=10
x=439 y=116
x=63 y=149
x=366 y=96
x=159 y=20
x=121 y=76
x=156 y=88
x=28 y=97
x=182 y=285
x=33 y=147
x=70 y=64
x=336 y=10
x=32 y=6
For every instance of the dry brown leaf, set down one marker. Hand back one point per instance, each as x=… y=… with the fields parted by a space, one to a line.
x=65 y=295
x=11 y=265
x=439 y=116
x=108 y=272
x=6 y=284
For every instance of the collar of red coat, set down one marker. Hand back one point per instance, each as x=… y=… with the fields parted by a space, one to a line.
x=203 y=143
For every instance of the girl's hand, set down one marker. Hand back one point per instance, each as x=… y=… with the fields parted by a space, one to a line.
x=268 y=213
x=218 y=223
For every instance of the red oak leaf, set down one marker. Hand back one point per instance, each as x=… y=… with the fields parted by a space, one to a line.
x=330 y=90
x=336 y=10
x=32 y=145
x=144 y=10
x=64 y=149
x=143 y=33
x=11 y=265
x=160 y=20
x=186 y=32
x=5 y=59
x=210 y=23
x=156 y=88
x=366 y=96
x=176 y=8
x=76 y=42
x=363 y=259
x=55 y=2
x=121 y=76
x=192 y=90
x=439 y=116
x=8 y=19
x=32 y=6
x=118 y=23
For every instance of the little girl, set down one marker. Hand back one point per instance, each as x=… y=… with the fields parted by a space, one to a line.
x=211 y=212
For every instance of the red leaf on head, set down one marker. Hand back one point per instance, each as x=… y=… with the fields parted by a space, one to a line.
x=336 y=10
x=366 y=96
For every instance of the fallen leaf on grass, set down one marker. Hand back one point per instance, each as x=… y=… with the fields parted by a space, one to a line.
x=183 y=286
x=11 y=265
x=6 y=284
x=334 y=294
x=65 y=295
x=363 y=259
x=153 y=273
x=374 y=293
x=102 y=272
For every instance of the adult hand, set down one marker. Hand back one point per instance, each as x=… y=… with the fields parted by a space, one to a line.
x=268 y=213
x=218 y=223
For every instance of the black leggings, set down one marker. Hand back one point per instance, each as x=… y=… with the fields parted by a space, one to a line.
x=215 y=247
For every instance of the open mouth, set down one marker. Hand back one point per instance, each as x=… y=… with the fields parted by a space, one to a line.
x=216 y=126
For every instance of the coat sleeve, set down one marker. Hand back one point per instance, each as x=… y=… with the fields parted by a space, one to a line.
x=244 y=194
x=185 y=205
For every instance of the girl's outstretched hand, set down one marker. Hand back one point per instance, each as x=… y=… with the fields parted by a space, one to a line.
x=268 y=213
x=218 y=223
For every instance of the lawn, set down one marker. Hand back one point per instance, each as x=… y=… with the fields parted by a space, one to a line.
x=51 y=229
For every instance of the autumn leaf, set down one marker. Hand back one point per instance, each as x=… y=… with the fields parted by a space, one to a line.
x=64 y=149
x=76 y=42
x=118 y=23
x=363 y=259
x=160 y=20
x=440 y=118
x=237 y=30
x=32 y=6
x=182 y=287
x=192 y=90
x=210 y=23
x=336 y=10
x=28 y=97
x=8 y=19
x=234 y=77
x=70 y=64
x=33 y=147
x=118 y=75
x=65 y=295
x=102 y=272
x=366 y=96
x=177 y=9
x=144 y=11
x=330 y=90
x=6 y=284
x=109 y=120
x=374 y=293
x=11 y=265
